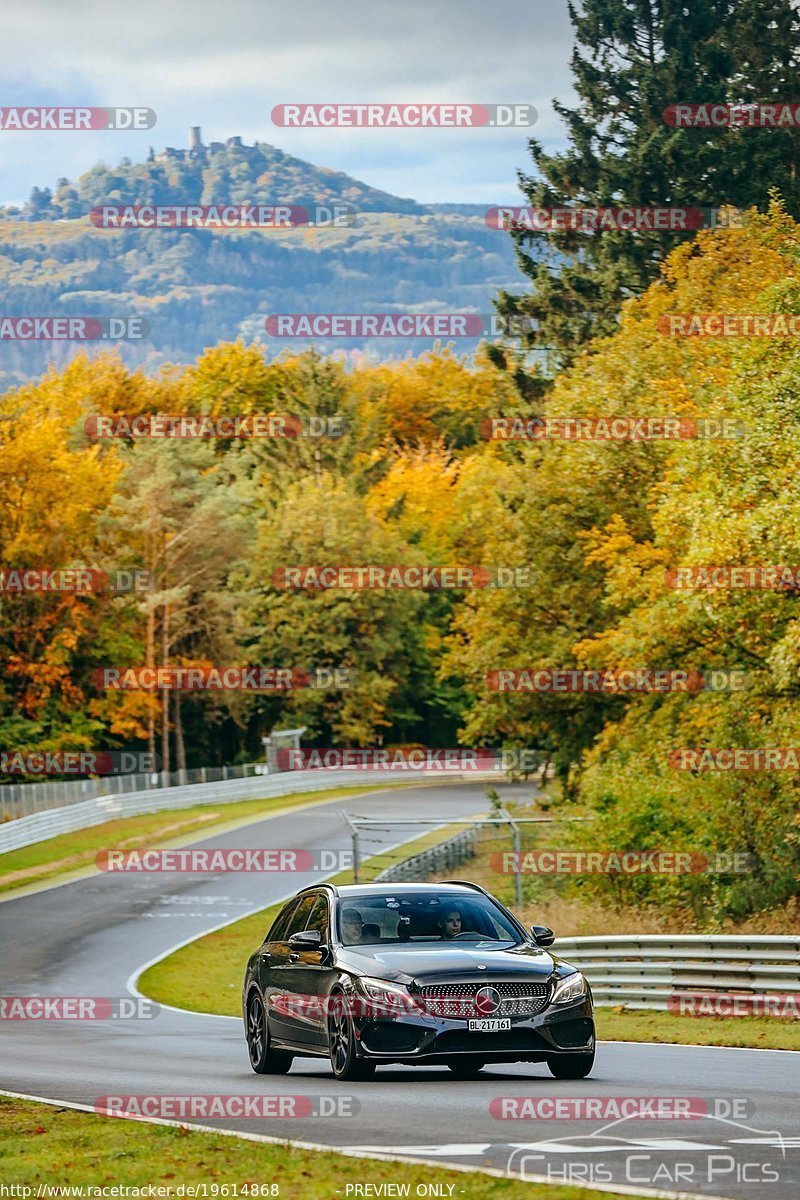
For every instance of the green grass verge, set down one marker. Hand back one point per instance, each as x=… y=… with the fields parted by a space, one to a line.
x=42 y=1144
x=71 y=851
x=765 y=1033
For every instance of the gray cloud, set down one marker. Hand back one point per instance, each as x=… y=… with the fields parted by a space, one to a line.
x=225 y=63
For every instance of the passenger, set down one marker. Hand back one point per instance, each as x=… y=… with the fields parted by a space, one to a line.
x=450 y=924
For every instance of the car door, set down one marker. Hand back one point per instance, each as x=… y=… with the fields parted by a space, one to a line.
x=285 y=1015
x=311 y=971
x=272 y=943
x=274 y=934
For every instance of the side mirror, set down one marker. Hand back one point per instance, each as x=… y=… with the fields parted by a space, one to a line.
x=543 y=935
x=307 y=939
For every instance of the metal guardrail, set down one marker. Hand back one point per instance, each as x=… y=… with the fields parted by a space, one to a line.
x=443 y=857
x=24 y=799
x=648 y=970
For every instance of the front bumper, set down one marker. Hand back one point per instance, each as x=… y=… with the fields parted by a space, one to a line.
x=411 y=1037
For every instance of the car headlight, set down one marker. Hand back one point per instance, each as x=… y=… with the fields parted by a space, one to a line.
x=571 y=987
x=385 y=993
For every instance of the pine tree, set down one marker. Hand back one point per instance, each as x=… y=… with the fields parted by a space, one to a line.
x=634 y=58
x=65 y=199
x=39 y=206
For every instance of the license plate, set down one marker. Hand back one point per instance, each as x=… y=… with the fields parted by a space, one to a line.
x=489 y=1024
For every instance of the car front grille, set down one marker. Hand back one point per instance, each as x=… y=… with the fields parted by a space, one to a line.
x=457 y=1000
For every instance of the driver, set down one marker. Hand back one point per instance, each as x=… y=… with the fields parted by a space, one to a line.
x=352 y=926
x=450 y=923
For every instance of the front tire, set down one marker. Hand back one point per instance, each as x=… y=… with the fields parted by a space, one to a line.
x=466 y=1068
x=263 y=1058
x=571 y=1066
x=342 y=1043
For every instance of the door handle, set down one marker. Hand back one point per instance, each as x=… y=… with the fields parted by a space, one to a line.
x=265 y=954
x=294 y=957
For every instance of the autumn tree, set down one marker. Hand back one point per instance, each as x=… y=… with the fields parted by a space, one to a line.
x=181 y=515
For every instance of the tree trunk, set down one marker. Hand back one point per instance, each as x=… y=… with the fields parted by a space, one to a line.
x=180 y=749
x=165 y=764
x=151 y=659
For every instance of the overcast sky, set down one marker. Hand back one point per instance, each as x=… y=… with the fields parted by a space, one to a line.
x=224 y=64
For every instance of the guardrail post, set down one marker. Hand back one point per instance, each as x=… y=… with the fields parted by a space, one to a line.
x=515 y=830
x=356 y=858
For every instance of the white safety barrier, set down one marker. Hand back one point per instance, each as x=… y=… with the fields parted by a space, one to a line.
x=652 y=970
x=43 y=825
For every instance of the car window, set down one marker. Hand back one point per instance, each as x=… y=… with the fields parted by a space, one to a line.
x=299 y=917
x=427 y=918
x=318 y=918
x=281 y=921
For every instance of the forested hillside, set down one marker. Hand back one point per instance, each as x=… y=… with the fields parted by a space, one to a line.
x=196 y=287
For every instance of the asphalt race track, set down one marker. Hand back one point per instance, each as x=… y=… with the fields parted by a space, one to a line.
x=90 y=937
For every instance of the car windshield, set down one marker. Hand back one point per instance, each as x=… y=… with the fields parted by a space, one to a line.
x=425 y=917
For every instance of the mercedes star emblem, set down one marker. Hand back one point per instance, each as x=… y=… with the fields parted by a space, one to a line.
x=487 y=1001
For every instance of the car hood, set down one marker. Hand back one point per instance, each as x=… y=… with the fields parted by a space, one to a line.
x=405 y=964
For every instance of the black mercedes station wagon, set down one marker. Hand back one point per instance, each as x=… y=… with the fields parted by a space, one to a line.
x=412 y=973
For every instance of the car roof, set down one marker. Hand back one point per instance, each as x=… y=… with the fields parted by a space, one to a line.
x=351 y=891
